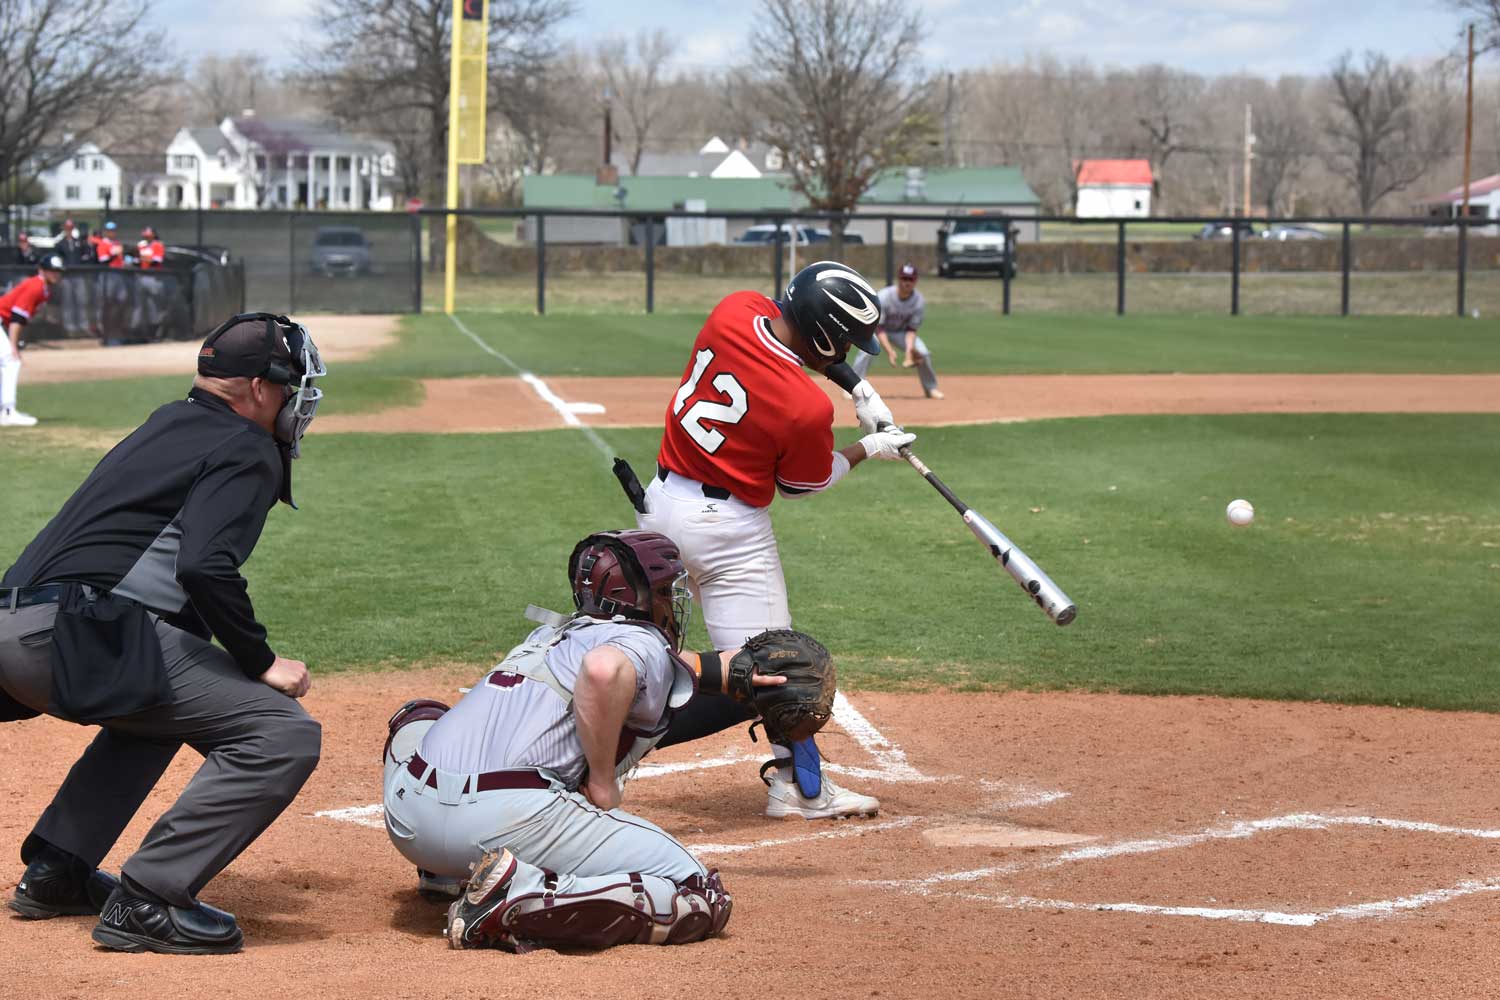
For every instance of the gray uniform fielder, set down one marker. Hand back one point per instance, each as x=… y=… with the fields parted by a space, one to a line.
x=900 y=318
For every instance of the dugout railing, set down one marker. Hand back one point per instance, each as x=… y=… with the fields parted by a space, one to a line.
x=1444 y=247
x=182 y=301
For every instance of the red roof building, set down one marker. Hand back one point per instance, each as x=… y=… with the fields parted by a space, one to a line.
x=1113 y=189
x=1102 y=173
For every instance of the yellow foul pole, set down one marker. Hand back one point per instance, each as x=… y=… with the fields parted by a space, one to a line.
x=450 y=257
x=468 y=71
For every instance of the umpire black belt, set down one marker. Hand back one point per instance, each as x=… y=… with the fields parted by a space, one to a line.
x=712 y=492
x=26 y=597
x=489 y=781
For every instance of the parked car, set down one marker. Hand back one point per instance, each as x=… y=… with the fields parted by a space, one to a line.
x=1293 y=233
x=824 y=235
x=341 y=251
x=975 y=243
x=766 y=233
x=1224 y=229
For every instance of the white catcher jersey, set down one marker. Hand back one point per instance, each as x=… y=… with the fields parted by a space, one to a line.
x=898 y=315
x=508 y=721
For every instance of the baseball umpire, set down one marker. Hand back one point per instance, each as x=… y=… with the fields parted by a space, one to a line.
x=520 y=781
x=106 y=619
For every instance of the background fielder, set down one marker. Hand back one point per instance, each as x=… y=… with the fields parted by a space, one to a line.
x=902 y=310
x=746 y=423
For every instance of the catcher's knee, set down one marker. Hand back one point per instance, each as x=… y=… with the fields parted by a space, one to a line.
x=406 y=728
x=623 y=913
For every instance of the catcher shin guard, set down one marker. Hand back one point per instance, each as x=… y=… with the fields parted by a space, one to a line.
x=622 y=913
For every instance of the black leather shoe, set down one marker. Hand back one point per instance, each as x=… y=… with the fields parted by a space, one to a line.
x=133 y=923
x=57 y=884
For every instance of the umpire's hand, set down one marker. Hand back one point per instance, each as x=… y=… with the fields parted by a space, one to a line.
x=290 y=677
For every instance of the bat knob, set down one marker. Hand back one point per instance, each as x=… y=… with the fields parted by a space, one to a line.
x=1067 y=614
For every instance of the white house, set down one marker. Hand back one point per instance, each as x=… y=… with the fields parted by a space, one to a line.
x=85 y=179
x=251 y=162
x=1113 y=189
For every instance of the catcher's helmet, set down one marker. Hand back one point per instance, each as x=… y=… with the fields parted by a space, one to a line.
x=831 y=306
x=636 y=574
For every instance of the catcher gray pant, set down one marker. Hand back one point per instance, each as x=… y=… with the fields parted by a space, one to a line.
x=445 y=830
x=861 y=361
x=258 y=746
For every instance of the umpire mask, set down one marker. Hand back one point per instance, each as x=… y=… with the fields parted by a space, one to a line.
x=302 y=405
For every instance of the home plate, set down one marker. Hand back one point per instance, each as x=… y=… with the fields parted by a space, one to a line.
x=999 y=835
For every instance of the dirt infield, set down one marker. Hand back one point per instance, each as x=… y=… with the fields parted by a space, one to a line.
x=340 y=338
x=479 y=405
x=1075 y=846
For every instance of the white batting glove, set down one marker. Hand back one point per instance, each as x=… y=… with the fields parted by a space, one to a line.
x=887 y=444
x=870 y=408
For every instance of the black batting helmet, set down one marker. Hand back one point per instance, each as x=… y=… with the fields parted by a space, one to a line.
x=831 y=307
x=637 y=574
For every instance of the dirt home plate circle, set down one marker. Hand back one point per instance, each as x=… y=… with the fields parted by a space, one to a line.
x=1240 y=513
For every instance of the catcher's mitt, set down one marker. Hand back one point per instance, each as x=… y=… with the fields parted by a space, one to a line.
x=800 y=707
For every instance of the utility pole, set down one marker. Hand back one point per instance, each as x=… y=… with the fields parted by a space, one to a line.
x=1469 y=122
x=607 y=128
x=948 y=125
x=1249 y=155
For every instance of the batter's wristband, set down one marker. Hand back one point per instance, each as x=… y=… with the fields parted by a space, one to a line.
x=711 y=671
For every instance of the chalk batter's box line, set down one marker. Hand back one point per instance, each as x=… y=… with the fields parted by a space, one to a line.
x=954 y=884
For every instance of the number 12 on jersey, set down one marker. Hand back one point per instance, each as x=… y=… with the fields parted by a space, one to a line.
x=710 y=439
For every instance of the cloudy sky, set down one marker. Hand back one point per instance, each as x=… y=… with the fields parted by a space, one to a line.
x=1209 y=36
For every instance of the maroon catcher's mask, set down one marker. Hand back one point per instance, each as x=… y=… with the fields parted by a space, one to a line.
x=637 y=574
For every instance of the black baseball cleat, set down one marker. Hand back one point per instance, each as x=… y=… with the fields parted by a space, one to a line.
x=471 y=922
x=133 y=923
x=57 y=884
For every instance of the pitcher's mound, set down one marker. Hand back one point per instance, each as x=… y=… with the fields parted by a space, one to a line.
x=1000 y=835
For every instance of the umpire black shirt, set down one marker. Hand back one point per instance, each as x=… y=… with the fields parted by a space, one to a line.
x=167 y=518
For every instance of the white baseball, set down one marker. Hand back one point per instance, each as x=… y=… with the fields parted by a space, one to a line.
x=1239 y=512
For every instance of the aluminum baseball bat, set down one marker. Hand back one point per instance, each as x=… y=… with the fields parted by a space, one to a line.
x=1037 y=584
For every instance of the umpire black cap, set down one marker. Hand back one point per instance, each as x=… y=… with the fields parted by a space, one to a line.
x=251 y=345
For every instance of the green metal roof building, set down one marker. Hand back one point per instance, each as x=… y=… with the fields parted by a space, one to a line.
x=898 y=191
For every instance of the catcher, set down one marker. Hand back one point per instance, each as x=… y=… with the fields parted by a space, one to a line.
x=517 y=787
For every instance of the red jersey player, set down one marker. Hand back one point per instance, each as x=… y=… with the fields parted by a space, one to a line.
x=17 y=308
x=749 y=422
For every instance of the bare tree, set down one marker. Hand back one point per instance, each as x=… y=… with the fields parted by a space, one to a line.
x=1379 y=141
x=1485 y=14
x=382 y=66
x=1284 y=142
x=634 y=71
x=56 y=53
x=1164 y=103
x=837 y=87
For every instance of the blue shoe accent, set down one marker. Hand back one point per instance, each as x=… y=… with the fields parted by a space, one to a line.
x=807 y=766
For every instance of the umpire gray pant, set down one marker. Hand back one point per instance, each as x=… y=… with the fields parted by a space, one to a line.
x=258 y=745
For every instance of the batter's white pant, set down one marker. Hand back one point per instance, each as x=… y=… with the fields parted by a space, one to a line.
x=445 y=831
x=729 y=549
x=10 y=374
x=861 y=362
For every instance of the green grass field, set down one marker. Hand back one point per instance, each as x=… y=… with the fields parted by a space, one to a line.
x=1372 y=573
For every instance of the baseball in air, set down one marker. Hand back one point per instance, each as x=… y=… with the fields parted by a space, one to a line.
x=1239 y=512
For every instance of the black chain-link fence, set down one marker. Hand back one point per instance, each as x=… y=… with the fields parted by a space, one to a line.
x=338 y=262
x=119 y=305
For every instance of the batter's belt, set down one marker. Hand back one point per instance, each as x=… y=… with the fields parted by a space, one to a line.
x=712 y=492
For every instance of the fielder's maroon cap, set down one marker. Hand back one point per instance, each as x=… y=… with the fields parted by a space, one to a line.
x=908 y=270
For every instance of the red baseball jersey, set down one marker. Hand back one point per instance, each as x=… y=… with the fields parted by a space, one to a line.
x=22 y=302
x=748 y=417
